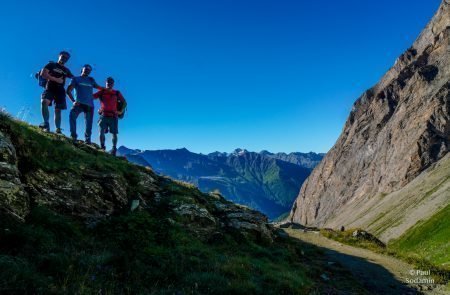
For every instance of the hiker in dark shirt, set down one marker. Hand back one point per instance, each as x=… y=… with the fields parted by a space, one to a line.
x=83 y=102
x=109 y=113
x=55 y=73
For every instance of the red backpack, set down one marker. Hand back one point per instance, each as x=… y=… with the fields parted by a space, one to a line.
x=119 y=107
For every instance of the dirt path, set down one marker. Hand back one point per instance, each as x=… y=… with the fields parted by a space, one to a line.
x=380 y=274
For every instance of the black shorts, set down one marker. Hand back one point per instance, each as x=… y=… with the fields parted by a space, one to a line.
x=58 y=95
x=109 y=124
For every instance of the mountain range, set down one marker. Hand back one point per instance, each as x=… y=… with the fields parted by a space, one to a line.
x=265 y=181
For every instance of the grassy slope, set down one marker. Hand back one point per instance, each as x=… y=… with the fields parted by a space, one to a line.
x=428 y=239
x=414 y=222
x=142 y=252
x=413 y=247
x=388 y=216
x=346 y=237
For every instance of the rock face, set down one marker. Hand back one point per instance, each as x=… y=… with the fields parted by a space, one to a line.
x=13 y=197
x=395 y=131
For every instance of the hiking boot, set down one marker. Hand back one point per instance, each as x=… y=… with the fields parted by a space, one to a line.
x=88 y=141
x=103 y=148
x=58 y=131
x=114 y=151
x=44 y=127
x=74 y=139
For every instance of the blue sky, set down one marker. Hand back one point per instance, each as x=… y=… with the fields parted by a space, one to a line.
x=214 y=75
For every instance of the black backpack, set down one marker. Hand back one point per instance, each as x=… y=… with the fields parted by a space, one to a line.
x=121 y=106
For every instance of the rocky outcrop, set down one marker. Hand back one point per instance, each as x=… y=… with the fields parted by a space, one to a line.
x=241 y=218
x=208 y=220
x=395 y=131
x=91 y=195
x=80 y=181
x=13 y=196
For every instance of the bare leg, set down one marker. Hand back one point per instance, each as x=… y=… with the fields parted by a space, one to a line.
x=114 y=141
x=45 y=112
x=58 y=118
x=102 y=138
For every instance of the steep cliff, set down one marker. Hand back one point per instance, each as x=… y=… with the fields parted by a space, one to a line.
x=395 y=131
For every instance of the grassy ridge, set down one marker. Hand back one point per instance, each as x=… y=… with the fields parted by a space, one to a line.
x=39 y=150
x=144 y=252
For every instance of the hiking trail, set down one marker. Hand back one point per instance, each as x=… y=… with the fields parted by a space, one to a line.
x=380 y=274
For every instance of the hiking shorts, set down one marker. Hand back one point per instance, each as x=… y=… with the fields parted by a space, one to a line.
x=109 y=124
x=58 y=95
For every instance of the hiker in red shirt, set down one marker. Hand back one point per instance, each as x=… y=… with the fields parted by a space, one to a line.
x=109 y=113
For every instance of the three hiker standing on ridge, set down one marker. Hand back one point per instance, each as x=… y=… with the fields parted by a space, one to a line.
x=112 y=103
x=55 y=73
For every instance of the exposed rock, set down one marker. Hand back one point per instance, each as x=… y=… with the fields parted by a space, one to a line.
x=7 y=150
x=91 y=195
x=250 y=221
x=13 y=196
x=196 y=214
x=359 y=233
x=394 y=132
x=93 y=187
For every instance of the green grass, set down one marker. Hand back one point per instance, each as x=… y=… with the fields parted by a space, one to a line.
x=52 y=154
x=346 y=237
x=144 y=252
x=429 y=240
x=409 y=248
x=140 y=253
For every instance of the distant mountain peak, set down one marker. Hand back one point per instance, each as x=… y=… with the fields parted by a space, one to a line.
x=218 y=154
x=184 y=150
x=266 y=153
x=239 y=152
x=123 y=150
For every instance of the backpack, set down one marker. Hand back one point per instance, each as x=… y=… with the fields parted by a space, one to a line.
x=121 y=105
x=41 y=81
